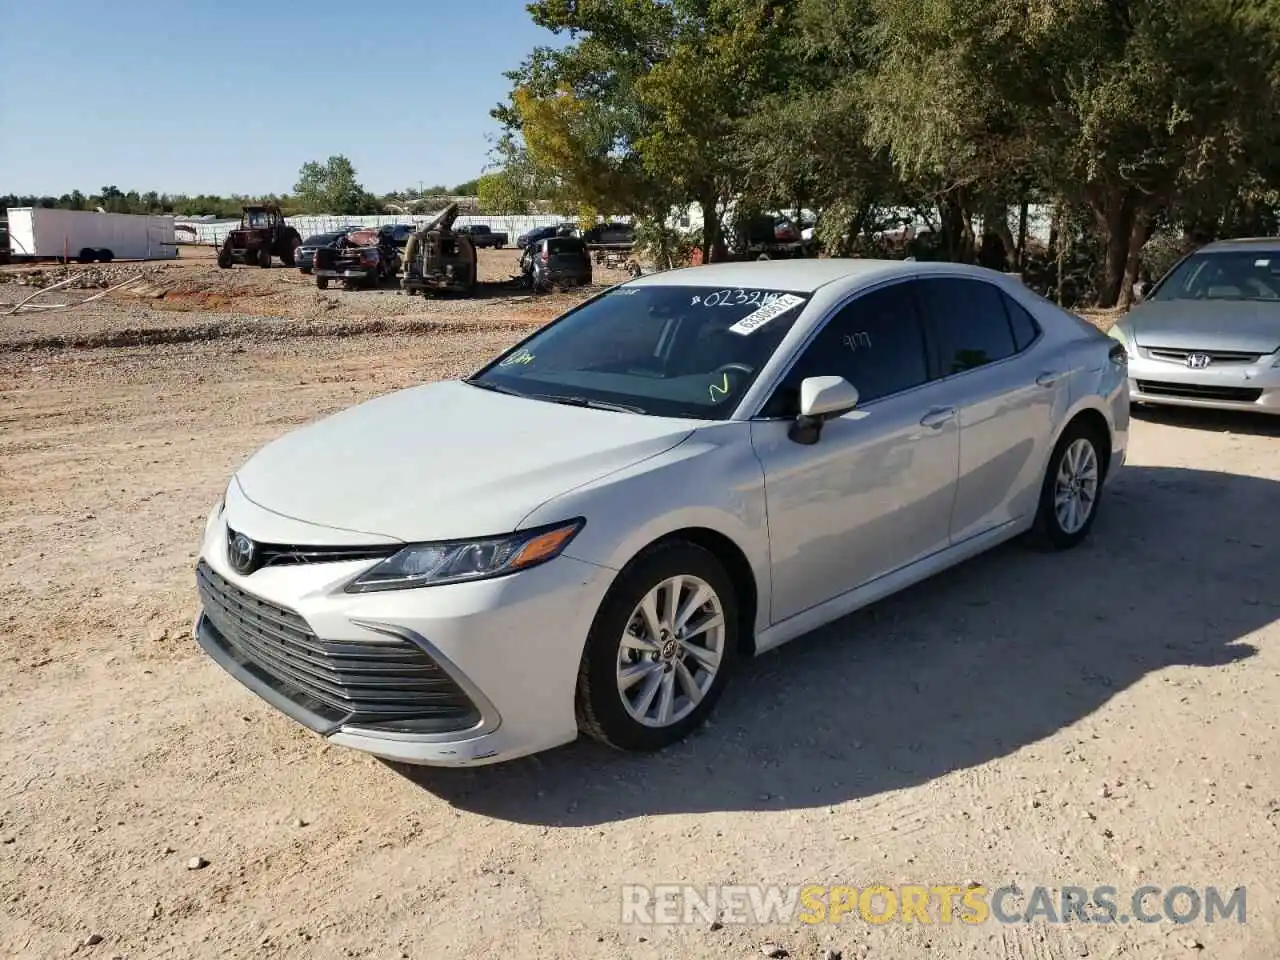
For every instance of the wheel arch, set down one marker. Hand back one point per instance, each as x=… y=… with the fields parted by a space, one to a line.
x=736 y=565
x=1097 y=423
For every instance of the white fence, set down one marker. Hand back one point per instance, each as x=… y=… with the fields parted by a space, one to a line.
x=213 y=234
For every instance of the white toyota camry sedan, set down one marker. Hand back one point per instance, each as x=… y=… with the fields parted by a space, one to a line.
x=589 y=533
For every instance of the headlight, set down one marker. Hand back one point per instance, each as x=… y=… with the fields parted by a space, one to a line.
x=455 y=561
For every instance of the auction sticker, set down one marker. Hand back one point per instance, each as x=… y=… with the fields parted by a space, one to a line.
x=755 y=320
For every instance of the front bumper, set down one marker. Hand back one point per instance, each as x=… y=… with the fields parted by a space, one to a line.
x=1222 y=385
x=352 y=273
x=511 y=646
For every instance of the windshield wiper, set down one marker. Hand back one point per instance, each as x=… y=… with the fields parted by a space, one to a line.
x=573 y=401
x=496 y=388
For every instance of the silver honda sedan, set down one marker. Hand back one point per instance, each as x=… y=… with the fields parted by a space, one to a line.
x=1208 y=333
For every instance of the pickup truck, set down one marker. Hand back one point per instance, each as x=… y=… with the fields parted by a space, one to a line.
x=482 y=235
x=362 y=258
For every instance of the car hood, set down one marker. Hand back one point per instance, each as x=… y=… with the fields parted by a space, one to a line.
x=446 y=461
x=1249 y=326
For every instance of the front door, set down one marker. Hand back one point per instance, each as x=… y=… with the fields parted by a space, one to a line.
x=876 y=491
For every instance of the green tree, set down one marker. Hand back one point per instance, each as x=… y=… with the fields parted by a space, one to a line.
x=635 y=113
x=1118 y=108
x=501 y=192
x=332 y=187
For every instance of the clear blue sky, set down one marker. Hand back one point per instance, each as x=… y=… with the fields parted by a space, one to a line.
x=233 y=96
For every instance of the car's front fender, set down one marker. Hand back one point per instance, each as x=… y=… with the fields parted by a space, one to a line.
x=712 y=481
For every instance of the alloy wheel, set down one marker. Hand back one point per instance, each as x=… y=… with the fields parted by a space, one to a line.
x=1075 y=489
x=671 y=651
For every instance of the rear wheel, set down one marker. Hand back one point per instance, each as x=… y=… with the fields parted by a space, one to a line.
x=289 y=256
x=264 y=257
x=1071 y=489
x=660 y=650
x=87 y=255
x=105 y=256
x=322 y=283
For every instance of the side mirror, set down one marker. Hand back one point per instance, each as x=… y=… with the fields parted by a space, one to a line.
x=821 y=399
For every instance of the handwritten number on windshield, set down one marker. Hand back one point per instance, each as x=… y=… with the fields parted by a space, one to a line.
x=737 y=297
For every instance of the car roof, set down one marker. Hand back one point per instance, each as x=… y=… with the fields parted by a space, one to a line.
x=805 y=275
x=1265 y=244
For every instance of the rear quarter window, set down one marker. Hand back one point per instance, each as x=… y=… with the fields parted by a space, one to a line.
x=1025 y=328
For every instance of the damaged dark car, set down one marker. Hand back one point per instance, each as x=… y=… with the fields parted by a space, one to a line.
x=364 y=258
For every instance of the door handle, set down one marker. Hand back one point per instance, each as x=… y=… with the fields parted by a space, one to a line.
x=938 y=417
x=1048 y=379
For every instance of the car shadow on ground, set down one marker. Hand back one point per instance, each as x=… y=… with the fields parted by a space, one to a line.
x=1217 y=421
x=979 y=662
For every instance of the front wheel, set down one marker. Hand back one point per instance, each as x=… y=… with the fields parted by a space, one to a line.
x=264 y=257
x=1071 y=490
x=660 y=650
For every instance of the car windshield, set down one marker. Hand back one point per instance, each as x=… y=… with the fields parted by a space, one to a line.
x=1225 y=275
x=665 y=350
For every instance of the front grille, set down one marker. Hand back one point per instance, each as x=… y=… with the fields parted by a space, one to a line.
x=394 y=685
x=1215 y=356
x=1198 y=391
x=283 y=554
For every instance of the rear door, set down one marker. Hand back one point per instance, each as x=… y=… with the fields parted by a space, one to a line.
x=983 y=345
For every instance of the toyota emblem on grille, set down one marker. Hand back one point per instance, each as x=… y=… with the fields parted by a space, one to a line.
x=242 y=554
x=1198 y=361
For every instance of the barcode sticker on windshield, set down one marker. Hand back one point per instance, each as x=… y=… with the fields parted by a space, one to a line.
x=755 y=320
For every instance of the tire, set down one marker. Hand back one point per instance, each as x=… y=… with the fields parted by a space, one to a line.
x=1080 y=452
x=305 y=270
x=289 y=256
x=105 y=256
x=322 y=283
x=599 y=702
x=87 y=255
x=225 y=258
x=264 y=257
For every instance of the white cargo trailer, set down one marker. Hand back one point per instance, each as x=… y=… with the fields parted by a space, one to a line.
x=86 y=236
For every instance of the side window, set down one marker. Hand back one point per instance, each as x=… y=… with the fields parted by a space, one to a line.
x=1025 y=328
x=876 y=343
x=967 y=322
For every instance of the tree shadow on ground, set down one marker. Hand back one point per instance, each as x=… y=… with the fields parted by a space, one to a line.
x=982 y=660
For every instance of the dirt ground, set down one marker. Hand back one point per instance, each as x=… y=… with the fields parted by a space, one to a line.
x=1105 y=716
